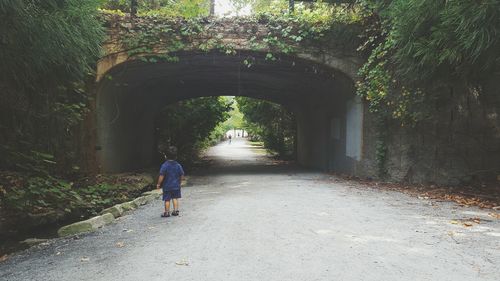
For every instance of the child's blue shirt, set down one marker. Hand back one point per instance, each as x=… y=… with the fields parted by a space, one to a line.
x=172 y=172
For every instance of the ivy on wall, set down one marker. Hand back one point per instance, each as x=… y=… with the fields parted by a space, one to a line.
x=417 y=48
x=154 y=36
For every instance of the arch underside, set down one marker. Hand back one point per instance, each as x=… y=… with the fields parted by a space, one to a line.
x=329 y=116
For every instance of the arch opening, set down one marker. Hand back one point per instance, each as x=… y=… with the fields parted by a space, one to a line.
x=329 y=115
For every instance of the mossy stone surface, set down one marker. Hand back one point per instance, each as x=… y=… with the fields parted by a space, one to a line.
x=139 y=201
x=128 y=206
x=108 y=218
x=116 y=211
x=89 y=225
x=75 y=228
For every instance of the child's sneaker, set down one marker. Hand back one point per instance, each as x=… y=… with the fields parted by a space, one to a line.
x=166 y=215
x=175 y=213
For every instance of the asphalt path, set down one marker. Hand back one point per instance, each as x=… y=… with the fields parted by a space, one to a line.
x=247 y=217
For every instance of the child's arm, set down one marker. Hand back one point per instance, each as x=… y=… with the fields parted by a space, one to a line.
x=181 y=175
x=160 y=180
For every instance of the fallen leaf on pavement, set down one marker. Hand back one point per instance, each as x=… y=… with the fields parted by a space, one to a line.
x=452 y=236
x=3 y=258
x=495 y=215
x=468 y=224
x=120 y=244
x=454 y=222
x=182 y=262
x=483 y=196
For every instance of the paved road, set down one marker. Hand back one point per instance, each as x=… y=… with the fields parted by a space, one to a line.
x=247 y=218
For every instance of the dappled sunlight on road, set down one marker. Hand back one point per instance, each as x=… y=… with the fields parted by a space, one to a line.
x=243 y=157
x=240 y=150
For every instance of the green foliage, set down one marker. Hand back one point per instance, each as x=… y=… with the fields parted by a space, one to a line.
x=308 y=23
x=180 y=8
x=440 y=37
x=236 y=118
x=21 y=195
x=189 y=124
x=271 y=122
x=160 y=32
x=118 y=5
x=417 y=46
x=381 y=151
x=37 y=194
x=47 y=49
x=58 y=40
x=388 y=98
x=318 y=12
x=165 y=33
x=164 y=8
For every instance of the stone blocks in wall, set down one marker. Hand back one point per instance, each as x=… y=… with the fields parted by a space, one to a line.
x=89 y=225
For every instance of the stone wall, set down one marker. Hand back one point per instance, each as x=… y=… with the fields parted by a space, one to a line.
x=336 y=50
x=460 y=145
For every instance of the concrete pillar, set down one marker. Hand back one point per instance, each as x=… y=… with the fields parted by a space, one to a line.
x=330 y=135
x=126 y=133
x=311 y=137
x=354 y=128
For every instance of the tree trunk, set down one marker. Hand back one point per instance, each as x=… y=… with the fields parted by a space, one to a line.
x=155 y=4
x=212 y=7
x=133 y=8
x=291 y=6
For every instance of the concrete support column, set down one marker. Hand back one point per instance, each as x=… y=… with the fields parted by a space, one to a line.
x=311 y=137
x=330 y=135
x=125 y=132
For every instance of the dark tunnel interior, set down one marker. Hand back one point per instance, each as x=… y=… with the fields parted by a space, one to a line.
x=132 y=93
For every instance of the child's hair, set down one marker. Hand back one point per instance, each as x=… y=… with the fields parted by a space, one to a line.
x=171 y=153
x=168 y=152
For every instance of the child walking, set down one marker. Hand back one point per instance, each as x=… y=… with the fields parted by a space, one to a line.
x=171 y=174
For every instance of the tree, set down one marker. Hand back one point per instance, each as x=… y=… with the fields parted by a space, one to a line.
x=419 y=45
x=188 y=124
x=273 y=123
x=212 y=7
x=47 y=50
x=133 y=8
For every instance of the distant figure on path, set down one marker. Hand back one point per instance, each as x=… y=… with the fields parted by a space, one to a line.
x=171 y=174
x=230 y=137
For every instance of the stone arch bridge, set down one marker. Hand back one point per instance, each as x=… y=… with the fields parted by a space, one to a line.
x=140 y=73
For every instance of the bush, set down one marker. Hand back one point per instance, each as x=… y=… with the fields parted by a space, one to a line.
x=48 y=48
x=189 y=125
x=22 y=195
x=271 y=122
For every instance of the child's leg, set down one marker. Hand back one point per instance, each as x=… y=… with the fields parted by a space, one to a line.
x=176 y=204
x=167 y=206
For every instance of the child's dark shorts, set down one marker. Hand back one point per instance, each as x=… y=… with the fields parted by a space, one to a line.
x=171 y=194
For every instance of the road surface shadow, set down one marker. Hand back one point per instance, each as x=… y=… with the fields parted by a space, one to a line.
x=251 y=169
